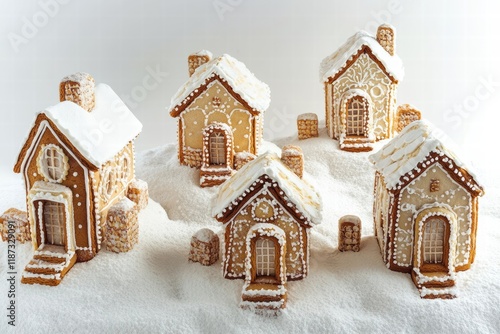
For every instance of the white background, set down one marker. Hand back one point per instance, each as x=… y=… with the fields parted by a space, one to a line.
x=449 y=49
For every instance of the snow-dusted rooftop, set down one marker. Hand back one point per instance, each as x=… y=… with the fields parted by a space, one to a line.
x=300 y=193
x=100 y=134
x=253 y=91
x=334 y=63
x=410 y=147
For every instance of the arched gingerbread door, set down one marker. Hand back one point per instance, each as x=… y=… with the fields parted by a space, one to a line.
x=434 y=248
x=217 y=147
x=265 y=259
x=53 y=221
x=357 y=117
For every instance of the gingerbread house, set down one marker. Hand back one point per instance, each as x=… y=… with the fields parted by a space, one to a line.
x=77 y=163
x=220 y=113
x=267 y=211
x=425 y=209
x=360 y=81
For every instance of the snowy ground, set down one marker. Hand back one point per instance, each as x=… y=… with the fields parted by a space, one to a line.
x=155 y=289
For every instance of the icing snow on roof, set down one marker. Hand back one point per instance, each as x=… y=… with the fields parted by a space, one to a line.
x=100 y=134
x=334 y=63
x=410 y=147
x=256 y=93
x=300 y=193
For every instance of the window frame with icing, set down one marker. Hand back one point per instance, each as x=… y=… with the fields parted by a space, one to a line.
x=47 y=163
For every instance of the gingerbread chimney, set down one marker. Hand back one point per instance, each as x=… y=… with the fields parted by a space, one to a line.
x=197 y=59
x=386 y=36
x=293 y=158
x=79 y=88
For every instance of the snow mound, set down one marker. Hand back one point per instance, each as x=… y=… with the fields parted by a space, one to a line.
x=154 y=288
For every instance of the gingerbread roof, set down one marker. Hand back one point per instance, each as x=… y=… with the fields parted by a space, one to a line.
x=413 y=150
x=293 y=191
x=338 y=61
x=253 y=92
x=97 y=135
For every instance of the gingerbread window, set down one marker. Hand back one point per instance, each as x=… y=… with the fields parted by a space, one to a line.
x=434 y=186
x=53 y=163
x=125 y=168
x=108 y=183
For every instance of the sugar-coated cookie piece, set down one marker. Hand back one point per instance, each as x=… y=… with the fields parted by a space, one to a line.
x=15 y=222
x=204 y=247
x=349 y=233
x=307 y=125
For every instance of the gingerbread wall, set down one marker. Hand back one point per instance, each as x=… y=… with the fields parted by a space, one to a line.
x=417 y=194
x=216 y=104
x=237 y=230
x=74 y=180
x=364 y=74
x=120 y=170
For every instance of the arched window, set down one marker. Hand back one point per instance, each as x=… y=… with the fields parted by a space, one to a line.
x=265 y=257
x=217 y=148
x=125 y=170
x=110 y=183
x=434 y=241
x=53 y=163
x=357 y=113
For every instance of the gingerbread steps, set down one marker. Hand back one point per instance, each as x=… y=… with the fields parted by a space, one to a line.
x=48 y=266
x=263 y=296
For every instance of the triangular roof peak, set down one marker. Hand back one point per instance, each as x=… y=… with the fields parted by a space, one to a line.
x=233 y=72
x=97 y=135
x=295 y=190
x=336 y=62
x=405 y=154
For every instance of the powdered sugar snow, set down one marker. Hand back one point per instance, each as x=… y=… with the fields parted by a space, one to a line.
x=154 y=288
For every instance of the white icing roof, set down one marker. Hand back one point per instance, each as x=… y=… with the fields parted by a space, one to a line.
x=300 y=193
x=256 y=93
x=334 y=63
x=100 y=134
x=410 y=147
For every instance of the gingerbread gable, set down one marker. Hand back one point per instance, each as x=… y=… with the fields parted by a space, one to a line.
x=230 y=72
x=97 y=135
x=333 y=65
x=412 y=151
x=296 y=195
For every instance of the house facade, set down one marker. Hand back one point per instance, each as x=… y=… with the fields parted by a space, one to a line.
x=219 y=91
x=77 y=162
x=267 y=212
x=360 y=82
x=425 y=209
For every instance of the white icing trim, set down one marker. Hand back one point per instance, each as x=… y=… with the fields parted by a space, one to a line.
x=451 y=218
x=44 y=125
x=43 y=167
x=269 y=230
x=44 y=191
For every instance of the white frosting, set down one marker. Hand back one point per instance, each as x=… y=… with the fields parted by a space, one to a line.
x=256 y=93
x=308 y=116
x=300 y=193
x=409 y=148
x=204 y=235
x=334 y=63
x=351 y=219
x=100 y=134
x=124 y=205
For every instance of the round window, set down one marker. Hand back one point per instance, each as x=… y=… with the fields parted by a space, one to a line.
x=53 y=163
